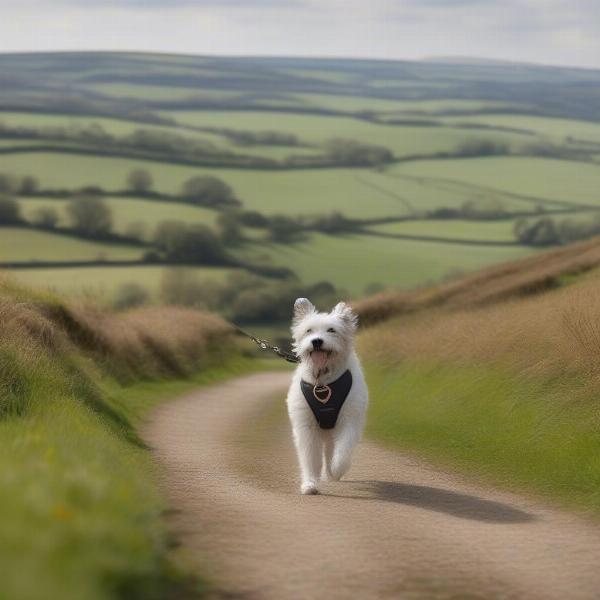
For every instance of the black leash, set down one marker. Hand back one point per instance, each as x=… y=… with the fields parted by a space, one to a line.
x=265 y=345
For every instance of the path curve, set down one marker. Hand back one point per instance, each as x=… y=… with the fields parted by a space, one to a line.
x=396 y=529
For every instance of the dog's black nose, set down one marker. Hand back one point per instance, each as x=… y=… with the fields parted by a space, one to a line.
x=317 y=343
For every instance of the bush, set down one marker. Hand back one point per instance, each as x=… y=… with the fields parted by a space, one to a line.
x=542 y=232
x=352 y=153
x=129 y=295
x=335 y=222
x=182 y=287
x=90 y=216
x=140 y=180
x=284 y=229
x=230 y=228
x=28 y=185
x=8 y=184
x=546 y=231
x=209 y=191
x=10 y=211
x=483 y=209
x=46 y=217
x=252 y=218
x=190 y=244
x=482 y=147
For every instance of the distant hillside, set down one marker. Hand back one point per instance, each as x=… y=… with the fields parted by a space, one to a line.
x=517 y=279
x=344 y=176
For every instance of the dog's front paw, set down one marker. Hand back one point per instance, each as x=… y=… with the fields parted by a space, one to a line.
x=309 y=489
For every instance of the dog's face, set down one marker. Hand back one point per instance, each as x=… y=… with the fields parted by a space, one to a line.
x=323 y=339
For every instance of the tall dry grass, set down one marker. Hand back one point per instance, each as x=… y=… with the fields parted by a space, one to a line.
x=516 y=279
x=553 y=335
x=41 y=333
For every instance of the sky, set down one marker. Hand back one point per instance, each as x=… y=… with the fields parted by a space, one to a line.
x=559 y=32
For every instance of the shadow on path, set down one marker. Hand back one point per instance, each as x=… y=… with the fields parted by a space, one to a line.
x=463 y=506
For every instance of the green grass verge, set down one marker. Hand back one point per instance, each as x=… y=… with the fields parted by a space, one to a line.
x=522 y=433
x=80 y=511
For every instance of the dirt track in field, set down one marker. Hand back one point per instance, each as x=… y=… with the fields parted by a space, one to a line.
x=396 y=528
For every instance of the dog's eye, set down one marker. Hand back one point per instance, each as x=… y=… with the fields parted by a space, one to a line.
x=309 y=331
x=331 y=330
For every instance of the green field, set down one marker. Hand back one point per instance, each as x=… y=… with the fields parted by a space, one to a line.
x=24 y=245
x=291 y=192
x=439 y=109
x=554 y=129
x=492 y=231
x=549 y=179
x=357 y=261
x=316 y=129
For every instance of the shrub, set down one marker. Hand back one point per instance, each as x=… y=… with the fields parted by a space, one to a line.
x=190 y=244
x=209 y=191
x=10 y=211
x=230 y=228
x=284 y=229
x=182 y=287
x=129 y=295
x=252 y=218
x=352 y=153
x=90 y=216
x=483 y=209
x=140 y=180
x=29 y=185
x=46 y=217
x=482 y=147
x=8 y=184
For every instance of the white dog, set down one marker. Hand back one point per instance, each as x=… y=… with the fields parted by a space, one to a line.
x=328 y=398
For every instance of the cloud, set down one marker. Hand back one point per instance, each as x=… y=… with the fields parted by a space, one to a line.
x=546 y=31
x=175 y=4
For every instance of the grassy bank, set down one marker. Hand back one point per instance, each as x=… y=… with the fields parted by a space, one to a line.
x=508 y=429
x=507 y=392
x=80 y=513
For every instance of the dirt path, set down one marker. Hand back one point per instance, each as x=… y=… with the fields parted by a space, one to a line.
x=395 y=529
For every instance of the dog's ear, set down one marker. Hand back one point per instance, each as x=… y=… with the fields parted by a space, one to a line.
x=302 y=308
x=345 y=312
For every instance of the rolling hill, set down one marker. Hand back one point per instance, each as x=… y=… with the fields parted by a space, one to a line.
x=362 y=174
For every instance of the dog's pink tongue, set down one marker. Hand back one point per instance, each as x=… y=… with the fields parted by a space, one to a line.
x=319 y=358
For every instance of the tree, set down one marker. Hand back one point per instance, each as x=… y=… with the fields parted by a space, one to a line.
x=167 y=233
x=230 y=229
x=140 y=180
x=284 y=229
x=190 y=244
x=90 y=216
x=8 y=184
x=10 y=212
x=353 y=153
x=29 y=185
x=46 y=217
x=209 y=191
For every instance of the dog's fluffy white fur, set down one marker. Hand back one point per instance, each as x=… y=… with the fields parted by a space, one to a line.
x=325 y=453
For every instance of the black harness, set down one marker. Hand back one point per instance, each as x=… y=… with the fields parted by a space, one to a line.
x=326 y=401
